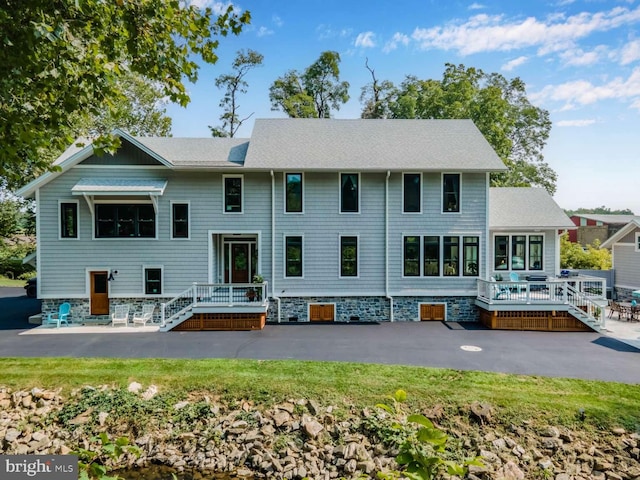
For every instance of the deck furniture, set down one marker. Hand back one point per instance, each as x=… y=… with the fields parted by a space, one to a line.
x=145 y=316
x=120 y=316
x=62 y=316
x=514 y=277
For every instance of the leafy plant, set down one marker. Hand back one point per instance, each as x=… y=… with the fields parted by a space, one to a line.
x=92 y=463
x=422 y=453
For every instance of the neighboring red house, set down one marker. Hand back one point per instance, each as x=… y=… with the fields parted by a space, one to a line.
x=593 y=227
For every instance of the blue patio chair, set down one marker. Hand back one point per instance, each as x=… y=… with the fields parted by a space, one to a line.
x=514 y=277
x=62 y=316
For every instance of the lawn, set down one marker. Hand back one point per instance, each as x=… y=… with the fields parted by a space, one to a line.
x=8 y=282
x=515 y=397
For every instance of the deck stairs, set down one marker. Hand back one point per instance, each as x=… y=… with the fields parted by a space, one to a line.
x=589 y=309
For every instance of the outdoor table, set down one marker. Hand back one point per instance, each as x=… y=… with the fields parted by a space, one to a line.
x=629 y=310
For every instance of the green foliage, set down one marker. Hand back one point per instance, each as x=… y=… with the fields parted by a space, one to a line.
x=91 y=463
x=422 y=454
x=573 y=256
x=314 y=93
x=64 y=58
x=599 y=211
x=235 y=84
x=11 y=256
x=516 y=129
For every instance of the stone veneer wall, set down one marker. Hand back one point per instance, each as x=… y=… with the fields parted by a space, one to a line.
x=373 y=309
x=624 y=294
x=81 y=308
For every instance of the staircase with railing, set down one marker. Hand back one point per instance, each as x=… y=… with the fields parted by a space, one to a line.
x=212 y=297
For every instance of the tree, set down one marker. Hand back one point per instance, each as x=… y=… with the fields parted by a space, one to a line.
x=516 y=129
x=62 y=58
x=314 y=93
x=234 y=84
x=599 y=211
x=573 y=256
x=375 y=96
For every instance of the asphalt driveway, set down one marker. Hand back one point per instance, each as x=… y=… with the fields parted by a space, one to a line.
x=432 y=344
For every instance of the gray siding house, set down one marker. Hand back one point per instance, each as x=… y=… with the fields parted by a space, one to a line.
x=625 y=252
x=337 y=220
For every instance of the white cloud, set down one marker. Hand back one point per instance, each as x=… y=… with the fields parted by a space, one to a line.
x=575 y=123
x=516 y=62
x=365 y=40
x=477 y=6
x=327 y=31
x=277 y=21
x=630 y=52
x=485 y=33
x=583 y=92
x=576 y=57
x=263 y=32
x=398 y=39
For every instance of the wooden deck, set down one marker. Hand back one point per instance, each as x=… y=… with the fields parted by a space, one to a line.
x=547 y=321
x=222 y=322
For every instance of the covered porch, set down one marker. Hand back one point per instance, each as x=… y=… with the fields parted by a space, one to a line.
x=575 y=303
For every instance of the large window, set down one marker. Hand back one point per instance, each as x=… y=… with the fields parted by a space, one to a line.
x=125 y=221
x=293 y=257
x=180 y=220
x=293 y=192
x=349 y=193
x=153 y=281
x=412 y=195
x=518 y=252
x=232 y=194
x=348 y=256
x=69 y=220
x=451 y=192
x=441 y=256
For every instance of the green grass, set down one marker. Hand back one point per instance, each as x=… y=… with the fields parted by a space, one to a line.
x=8 y=282
x=515 y=397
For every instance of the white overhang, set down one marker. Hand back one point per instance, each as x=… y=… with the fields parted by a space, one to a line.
x=91 y=187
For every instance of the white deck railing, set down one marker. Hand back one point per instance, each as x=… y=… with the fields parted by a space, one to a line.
x=214 y=294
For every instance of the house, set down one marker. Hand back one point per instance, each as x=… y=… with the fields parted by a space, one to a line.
x=592 y=227
x=625 y=253
x=345 y=220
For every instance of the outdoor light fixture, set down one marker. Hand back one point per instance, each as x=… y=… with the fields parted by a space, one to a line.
x=112 y=275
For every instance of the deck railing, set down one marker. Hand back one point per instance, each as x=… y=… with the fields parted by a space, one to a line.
x=554 y=291
x=214 y=294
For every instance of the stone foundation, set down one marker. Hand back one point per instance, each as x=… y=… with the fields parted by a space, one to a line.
x=624 y=294
x=81 y=308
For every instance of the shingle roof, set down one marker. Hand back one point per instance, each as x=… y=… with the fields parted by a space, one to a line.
x=525 y=208
x=375 y=145
x=609 y=218
x=198 y=152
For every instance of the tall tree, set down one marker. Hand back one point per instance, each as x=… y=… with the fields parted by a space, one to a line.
x=516 y=129
x=314 y=93
x=64 y=57
x=374 y=96
x=235 y=84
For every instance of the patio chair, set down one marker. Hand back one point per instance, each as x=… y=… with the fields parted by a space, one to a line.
x=120 y=316
x=514 y=277
x=499 y=292
x=145 y=316
x=62 y=316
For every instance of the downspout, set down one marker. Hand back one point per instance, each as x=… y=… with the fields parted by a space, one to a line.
x=386 y=245
x=273 y=243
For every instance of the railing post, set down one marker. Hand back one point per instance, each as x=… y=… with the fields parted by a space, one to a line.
x=194 y=289
x=230 y=294
x=162 y=317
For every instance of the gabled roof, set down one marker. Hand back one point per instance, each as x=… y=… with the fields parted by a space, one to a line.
x=608 y=219
x=198 y=152
x=525 y=208
x=373 y=145
x=623 y=232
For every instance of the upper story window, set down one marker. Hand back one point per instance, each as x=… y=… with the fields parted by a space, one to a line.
x=293 y=256
x=450 y=192
x=293 y=193
x=69 y=220
x=125 y=220
x=349 y=193
x=348 y=256
x=179 y=220
x=518 y=252
x=411 y=193
x=232 y=194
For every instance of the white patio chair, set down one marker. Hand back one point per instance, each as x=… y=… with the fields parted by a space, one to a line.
x=145 y=316
x=120 y=316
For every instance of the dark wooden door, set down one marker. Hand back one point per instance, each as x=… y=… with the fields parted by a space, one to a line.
x=99 y=293
x=240 y=263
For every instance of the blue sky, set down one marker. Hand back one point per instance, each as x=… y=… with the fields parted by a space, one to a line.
x=580 y=60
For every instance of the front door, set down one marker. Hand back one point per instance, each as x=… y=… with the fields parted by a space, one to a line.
x=240 y=263
x=240 y=260
x=99 y=293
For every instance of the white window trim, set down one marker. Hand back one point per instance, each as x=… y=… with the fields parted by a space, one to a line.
x=284 y=192
x=155 y=267
x=340 y=236
x=224 y=194
x=421 y=193
x=509 y=235
x=284 y=254
x=188 y=204
x=441 y=274
x=60 y=202
x=123 y=202
x=442 y=210
x=340 y=193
